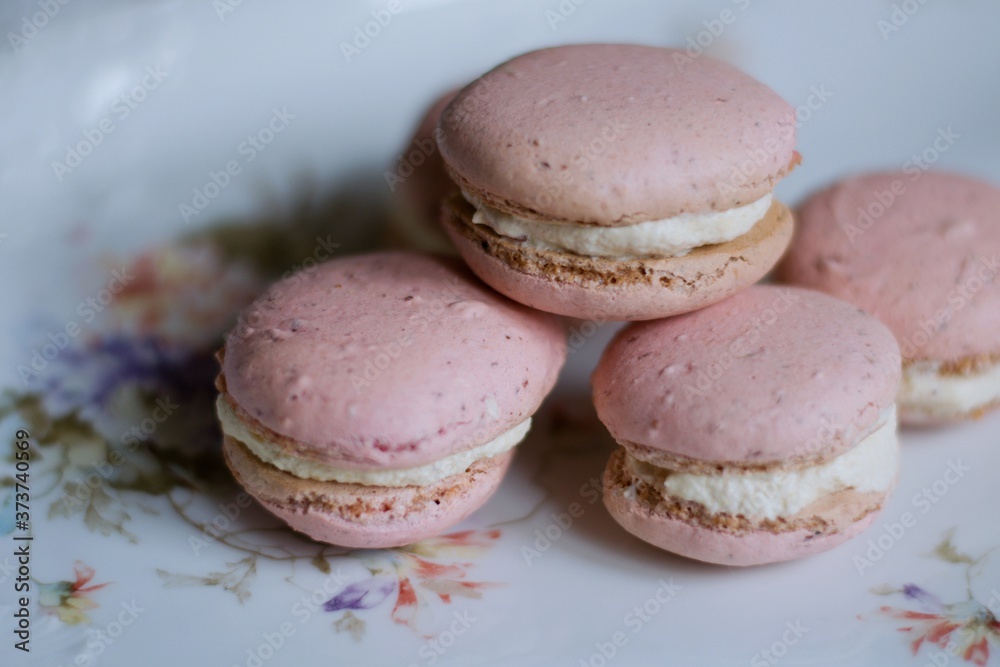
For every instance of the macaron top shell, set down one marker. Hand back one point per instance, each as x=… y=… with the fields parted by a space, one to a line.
x=612 y=134
x=769 y=375
x=424 y=179
x=919 y=253
x=389 y=360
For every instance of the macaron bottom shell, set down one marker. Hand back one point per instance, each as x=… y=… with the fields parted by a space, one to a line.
x=603 y=289
x=360 y=516
x=671 y=524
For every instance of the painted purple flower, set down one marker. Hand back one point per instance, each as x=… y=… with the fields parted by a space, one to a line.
x=111 y=382
x=928 y=600
x=86 y=378
x=432 y=571
x=363 y=594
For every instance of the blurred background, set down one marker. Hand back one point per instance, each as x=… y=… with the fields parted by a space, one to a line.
x=161 y=161
x=130 y=123
x=875 y=81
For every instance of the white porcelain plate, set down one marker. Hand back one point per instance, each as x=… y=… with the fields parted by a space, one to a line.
x=163 y=160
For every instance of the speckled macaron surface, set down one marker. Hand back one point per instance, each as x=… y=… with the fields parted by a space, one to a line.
x=752 y=379
x=612 y=134
x=909 y=252
x=371 y=382
x=784 y=390
x=617 y=181
x=391 y=359
x=921 y=252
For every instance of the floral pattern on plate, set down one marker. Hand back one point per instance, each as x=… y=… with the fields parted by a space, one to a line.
x=70 y=600
x=414 y=576
x=127 y=414
x=965 y=629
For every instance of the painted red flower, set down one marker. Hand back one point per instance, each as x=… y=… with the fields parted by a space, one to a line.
x=434 y=570
x=963 y=629
x=69 y=599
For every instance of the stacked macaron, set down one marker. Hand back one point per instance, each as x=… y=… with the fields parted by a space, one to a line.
x=607 y=182
x=418 y=183
x=920 y=252
x=759 y=429
x=374 y=400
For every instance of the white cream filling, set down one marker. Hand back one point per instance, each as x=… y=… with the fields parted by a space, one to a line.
x=323 y=472
x=670 y=237
x=871 y=465
x=925 y=390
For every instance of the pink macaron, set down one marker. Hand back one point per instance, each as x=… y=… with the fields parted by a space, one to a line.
x=419 y=183
x=759 y=429
x=921 y=252
x=374 y=401
x=616 y=181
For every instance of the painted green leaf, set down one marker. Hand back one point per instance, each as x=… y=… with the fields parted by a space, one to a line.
x=320 y=563
x=946 y=551
x=351 y=624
